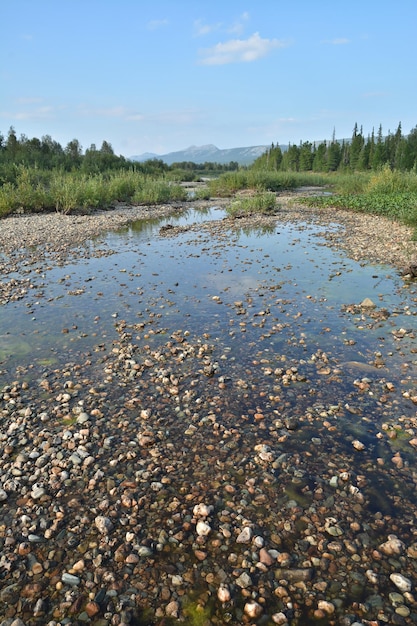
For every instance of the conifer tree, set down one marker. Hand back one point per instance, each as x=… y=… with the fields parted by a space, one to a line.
x=380 y=154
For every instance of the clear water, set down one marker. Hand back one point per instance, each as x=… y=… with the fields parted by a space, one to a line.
x=286 y=269
x=265 y=297
x=271 y=302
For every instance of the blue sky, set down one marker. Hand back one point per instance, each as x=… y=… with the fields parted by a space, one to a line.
x=158 y=76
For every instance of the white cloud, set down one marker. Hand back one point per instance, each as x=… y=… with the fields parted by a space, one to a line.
x=155 y=24
x=340 y=41
x=29 y=100
x=130 y=115
x=375 y=94
x=238 y=27
x=114 y=112
x=201 y=29
x=184 y=117
x=240 y=50
x=135 y=117
x=30 y=113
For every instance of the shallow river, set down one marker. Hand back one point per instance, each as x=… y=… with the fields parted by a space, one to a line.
x=247 y=350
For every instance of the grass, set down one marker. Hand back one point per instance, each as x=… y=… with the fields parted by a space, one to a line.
x=229 y=183
x=262 y=202
x=389 y=193
x=158 y=192
x=386 y=192
x=69 y=192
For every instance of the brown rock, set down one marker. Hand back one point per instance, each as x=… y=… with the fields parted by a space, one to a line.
x=295 y=575
x=265 y=557
x=31 y=590
x=92 y=609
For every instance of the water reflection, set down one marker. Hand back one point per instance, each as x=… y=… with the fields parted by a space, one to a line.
x=195 y=277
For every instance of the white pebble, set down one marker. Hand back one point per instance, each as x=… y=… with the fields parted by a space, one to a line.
x=223 y=594
x=103 y=524
x=253 y=609
x=401 y=582
x=202 y=510
x=392 y=546
x=203 y=529
x=245 y=535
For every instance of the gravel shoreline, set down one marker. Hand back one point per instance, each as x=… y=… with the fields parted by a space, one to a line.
x=364 y=237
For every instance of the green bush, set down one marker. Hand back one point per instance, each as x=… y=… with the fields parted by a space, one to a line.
x=122 y=185
x=263 y=202
x=8 y=199
x=159 y=191
x=263 y=180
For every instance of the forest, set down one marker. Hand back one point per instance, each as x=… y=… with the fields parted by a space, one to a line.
x=359 y=153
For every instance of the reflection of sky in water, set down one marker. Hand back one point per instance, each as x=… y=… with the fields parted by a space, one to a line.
x=287 y=270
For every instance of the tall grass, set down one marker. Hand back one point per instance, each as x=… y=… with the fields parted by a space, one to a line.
x=158 y=192
x=263 y=202
x=68 y=192
x=229 y=183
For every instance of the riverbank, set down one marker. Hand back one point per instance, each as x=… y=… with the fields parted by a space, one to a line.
x=365 y=237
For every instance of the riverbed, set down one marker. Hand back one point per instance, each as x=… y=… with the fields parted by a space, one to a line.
x=209 y=420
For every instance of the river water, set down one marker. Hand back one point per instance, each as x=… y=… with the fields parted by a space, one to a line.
x=261 y=336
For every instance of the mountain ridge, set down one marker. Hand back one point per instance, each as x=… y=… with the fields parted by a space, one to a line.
x=207 y=153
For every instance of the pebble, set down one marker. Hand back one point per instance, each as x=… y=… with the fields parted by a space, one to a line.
x=37 y=492
x=223 y=594
x=245 y=535
x=393 y=546
x=401 y=582
x=253 y=609
x=203 y=529
x=70 y=579
x=244 y=581
x=103 y=524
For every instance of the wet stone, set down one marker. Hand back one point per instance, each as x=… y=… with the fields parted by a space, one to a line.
x=401 y=582
x=245 y=535
x=70 y=579
x=244 y=581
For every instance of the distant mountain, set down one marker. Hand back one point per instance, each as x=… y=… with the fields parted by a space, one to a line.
x=207 y=154
x=145 y=156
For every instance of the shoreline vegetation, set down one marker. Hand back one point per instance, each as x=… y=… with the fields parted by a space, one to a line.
x=377 y=175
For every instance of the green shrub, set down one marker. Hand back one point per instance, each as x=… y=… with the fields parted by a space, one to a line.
x=263 y=202
x=391 y=181
x=401 y=206
x=158 y=192
x=122 y=185
x=263 y=180
x=8 y=199
x=202 y=193
x=65 y=191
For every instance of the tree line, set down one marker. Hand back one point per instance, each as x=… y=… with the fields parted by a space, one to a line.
x=396 y=150
x=48 y=154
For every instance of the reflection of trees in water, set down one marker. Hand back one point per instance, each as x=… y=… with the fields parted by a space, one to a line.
x=259 y=230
